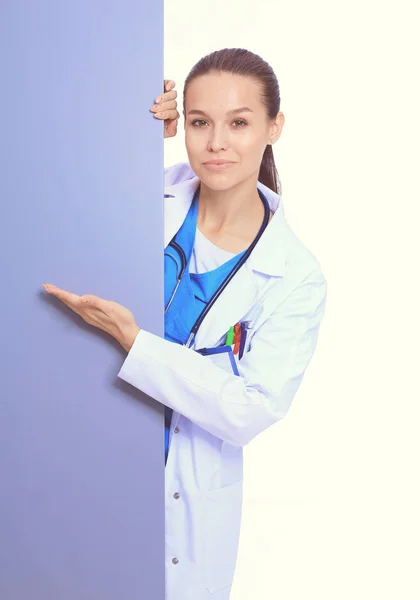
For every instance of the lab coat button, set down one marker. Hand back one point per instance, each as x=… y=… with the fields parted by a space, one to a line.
x=176 y=430
x=175 y=561
x=176 y=495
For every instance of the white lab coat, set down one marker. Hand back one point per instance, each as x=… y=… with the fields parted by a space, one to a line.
x=281 y=291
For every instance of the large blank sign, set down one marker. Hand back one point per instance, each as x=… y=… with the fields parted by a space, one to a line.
x=81 y=196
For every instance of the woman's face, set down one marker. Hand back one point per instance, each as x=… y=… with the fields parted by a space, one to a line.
x=225 y=120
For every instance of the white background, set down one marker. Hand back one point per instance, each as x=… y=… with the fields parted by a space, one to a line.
x=331 y=507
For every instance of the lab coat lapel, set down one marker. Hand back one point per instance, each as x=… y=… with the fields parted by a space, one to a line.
x=178 y=200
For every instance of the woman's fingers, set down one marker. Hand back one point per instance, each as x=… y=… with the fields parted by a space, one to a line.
x=167 y=115
x=173 y=95
x=164 y=106
x=67 y=297
x=82 y=305
x=163 y=99
x=168 y=85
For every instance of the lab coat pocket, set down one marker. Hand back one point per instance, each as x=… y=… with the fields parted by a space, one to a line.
x=222 y=516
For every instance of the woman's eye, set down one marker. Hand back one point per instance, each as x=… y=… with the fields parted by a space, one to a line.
x=240 y=123
x=199 y=122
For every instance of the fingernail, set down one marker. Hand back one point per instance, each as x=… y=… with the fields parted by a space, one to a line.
x=158 y=100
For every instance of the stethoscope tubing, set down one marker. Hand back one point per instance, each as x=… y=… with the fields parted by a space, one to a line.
x=181 y=253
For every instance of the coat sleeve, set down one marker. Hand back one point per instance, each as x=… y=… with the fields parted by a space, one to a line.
x=235 y=409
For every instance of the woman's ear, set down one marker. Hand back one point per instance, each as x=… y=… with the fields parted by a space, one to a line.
x=276 y=128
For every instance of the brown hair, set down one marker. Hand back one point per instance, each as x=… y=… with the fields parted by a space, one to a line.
x=243 y=62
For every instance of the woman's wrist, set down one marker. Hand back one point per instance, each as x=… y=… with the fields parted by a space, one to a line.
x=128 y=337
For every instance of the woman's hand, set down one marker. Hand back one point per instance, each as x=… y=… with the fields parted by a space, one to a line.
x=166 y=108
x=111 y=317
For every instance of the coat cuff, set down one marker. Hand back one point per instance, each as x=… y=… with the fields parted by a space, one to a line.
x=138 y=356
x=153 y=358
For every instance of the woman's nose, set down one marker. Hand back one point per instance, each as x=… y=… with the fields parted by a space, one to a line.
x=218 y=139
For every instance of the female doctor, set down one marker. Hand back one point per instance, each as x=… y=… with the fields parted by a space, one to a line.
x=239 y=283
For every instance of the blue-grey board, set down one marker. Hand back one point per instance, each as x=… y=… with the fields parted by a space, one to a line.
x=81 y=206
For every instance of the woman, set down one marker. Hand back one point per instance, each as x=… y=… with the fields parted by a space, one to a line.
x=222 y=211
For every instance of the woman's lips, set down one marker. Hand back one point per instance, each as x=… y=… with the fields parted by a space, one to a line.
x=218 y=165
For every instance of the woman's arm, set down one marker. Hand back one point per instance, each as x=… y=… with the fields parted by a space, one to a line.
x=235 y=409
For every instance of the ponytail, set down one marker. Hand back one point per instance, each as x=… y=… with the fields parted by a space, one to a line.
x=268 y=174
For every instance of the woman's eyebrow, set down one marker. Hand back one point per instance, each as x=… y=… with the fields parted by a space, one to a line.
x=235 y=111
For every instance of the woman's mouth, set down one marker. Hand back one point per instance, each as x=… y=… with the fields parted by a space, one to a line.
x=218 y=165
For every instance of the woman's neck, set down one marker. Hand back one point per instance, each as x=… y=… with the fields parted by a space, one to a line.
x=230 y=218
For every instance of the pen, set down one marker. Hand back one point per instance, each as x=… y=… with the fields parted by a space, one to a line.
x=230 y=335
x=243 y=339
x=237 y=339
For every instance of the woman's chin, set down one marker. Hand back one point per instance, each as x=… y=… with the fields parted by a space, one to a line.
x=217 y=181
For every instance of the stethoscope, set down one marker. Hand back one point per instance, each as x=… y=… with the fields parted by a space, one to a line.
x=173 y=244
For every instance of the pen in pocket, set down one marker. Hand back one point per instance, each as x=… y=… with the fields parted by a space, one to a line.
x=244 y=331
